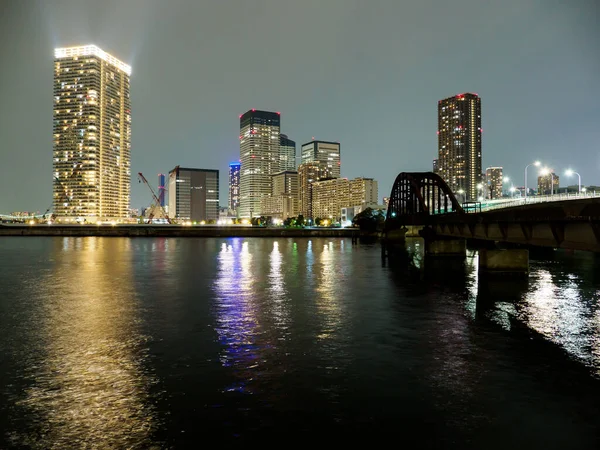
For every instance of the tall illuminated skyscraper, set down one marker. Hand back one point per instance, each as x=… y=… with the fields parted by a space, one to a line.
x=459 y=143
x=259 y=155
x=234 y=187
x=325 y=153
x=92 y=135
x=287 y=154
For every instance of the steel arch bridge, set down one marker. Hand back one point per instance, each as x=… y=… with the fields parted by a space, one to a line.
x=416 y=196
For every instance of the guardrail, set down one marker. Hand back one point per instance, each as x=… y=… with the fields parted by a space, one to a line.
x=509 y=203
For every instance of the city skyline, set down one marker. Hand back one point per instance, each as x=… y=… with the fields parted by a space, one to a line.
x=354 y=99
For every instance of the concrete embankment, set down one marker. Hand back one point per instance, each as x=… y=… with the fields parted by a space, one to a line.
x=171 y=231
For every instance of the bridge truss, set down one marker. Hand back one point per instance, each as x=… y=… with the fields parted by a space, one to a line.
x=418 y=195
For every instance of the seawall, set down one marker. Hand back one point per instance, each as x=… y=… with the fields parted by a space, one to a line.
x=171 y=231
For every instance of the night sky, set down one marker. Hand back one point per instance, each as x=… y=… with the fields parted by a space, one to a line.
x=365 y=73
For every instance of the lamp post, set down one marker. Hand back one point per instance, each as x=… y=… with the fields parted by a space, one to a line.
x=536 y=164
x=570 y=172
x=480 y=188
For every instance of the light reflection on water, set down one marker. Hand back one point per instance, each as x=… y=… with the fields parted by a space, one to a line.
x=303 y=326
x=556 y=309
x=553 y=300
x=87 y=384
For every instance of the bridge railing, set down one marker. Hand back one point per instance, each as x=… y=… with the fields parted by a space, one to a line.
x=537 y=199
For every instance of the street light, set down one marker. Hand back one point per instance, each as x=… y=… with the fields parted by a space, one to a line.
x=512 y=191
x=570 y=172
x=536 y=164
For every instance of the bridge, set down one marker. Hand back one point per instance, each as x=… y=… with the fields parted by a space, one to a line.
x=423 y=199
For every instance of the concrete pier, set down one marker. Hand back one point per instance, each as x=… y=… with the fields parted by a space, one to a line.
x=446 y=247
x=397 y=236
x=504 y=261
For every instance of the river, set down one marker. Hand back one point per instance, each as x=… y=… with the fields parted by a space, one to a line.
x=185 y=342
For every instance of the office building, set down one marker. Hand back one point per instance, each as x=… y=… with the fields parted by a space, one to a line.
x=161 y=189
x=259 y=155
x=194 y=194
x=548 y=183
x=435 y=166
x=363 y=192
x=325 y=153
x=494 y=181
x=307 y=174
x=234 y=188
x=92 y=135
x=287 y=153
x=459 y=143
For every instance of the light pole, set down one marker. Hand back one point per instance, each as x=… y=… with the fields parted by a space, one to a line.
x=536 y=164
x=479 y=188
x=570 y=172
x=504 y=180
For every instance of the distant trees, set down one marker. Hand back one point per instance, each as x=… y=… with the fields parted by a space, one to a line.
x=369 y=220
x=295 y=221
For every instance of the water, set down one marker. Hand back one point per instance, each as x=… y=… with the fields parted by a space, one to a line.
x=177 y=343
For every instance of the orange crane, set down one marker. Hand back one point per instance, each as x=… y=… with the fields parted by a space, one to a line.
x=156 y=200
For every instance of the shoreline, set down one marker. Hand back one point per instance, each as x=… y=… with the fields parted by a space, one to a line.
x=139 y=230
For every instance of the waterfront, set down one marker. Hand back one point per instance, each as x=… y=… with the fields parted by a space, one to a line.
x=171 y=342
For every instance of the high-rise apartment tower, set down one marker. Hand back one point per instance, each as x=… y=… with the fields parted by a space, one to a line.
x=92 y=135
x=459 y=143
x=494 y=182
x=260 y=158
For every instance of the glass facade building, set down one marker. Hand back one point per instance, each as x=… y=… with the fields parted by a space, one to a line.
x=325 y=153
x=287 y=153
x=194 y=194
x=91 y=135
x=260 y=158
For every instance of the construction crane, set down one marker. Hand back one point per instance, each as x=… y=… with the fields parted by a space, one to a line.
x=156 y=200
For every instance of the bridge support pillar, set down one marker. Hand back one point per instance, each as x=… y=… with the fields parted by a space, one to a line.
x=397 y=236
x=504 y=261
x=446 y=247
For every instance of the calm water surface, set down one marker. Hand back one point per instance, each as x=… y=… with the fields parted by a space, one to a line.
x=181 y=343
